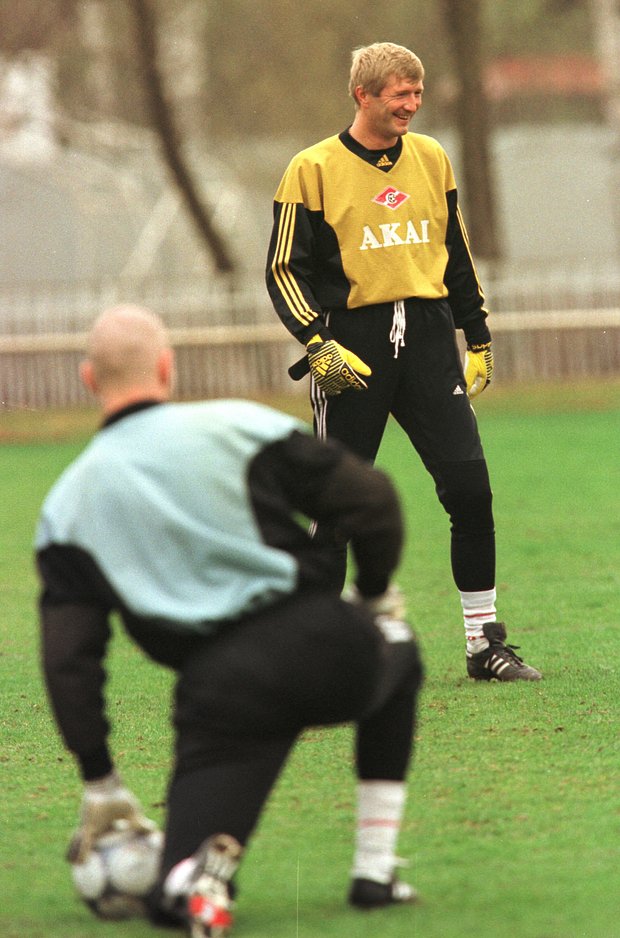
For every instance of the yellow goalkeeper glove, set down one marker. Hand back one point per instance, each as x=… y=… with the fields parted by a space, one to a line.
x=335 y=368
x=478 y=368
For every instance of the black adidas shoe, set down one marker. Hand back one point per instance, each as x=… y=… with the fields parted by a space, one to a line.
x=499 y=662
x=369 y=894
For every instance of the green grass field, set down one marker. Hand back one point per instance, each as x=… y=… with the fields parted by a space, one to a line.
x=512 y=822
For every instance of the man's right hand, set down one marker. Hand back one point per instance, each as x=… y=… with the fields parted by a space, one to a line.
x=335 y=368
x=105 y=802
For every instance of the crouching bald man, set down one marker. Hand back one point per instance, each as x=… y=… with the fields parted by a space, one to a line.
x=184 y=518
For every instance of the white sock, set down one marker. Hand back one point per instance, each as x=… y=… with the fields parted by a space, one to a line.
x=178 y=879
x=478 y=610
x=380 y=806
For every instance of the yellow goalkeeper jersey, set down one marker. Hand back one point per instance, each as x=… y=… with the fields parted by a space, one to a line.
x=350 y=231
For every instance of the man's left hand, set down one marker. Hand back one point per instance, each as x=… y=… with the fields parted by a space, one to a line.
x=478 y=368
x=390 y=604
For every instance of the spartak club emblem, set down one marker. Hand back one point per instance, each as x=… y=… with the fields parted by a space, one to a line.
x=391 y=197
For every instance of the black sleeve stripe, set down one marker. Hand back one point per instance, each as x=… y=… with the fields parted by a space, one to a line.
x=288 y=286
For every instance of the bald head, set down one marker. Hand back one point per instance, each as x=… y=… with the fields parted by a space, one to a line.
x=129 y=357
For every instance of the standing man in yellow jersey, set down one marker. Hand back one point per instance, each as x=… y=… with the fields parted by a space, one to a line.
x=369 y=267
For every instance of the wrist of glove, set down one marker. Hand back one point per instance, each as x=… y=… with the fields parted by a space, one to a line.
x=478 y=368
x=334 y=368
x=106 y=805
x=390 y=604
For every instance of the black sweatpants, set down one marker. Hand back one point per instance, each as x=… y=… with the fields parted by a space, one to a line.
x=244 y=696
x=421 y=384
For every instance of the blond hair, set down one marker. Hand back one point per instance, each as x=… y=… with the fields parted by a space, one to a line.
x=374 y=65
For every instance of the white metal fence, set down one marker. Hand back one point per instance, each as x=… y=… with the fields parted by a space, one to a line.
x=549 y=324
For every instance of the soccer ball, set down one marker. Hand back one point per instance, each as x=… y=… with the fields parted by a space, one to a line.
x=118 y=873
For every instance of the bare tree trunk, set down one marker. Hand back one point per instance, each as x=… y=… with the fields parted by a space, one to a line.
x=164 y=125
x=606 y=22
x=463 y=22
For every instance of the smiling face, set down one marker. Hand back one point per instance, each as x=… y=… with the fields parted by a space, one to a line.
x=384 y=117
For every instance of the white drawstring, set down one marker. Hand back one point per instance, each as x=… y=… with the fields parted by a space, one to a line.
x=397 y=332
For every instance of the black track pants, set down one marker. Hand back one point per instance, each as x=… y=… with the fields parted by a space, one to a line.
x=421 y=385
x=244 y=698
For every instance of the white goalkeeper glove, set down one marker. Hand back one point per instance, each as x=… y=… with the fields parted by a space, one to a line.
x=478 y=368
x=105 y=801
x=390 y=604
x=388 y=610
x=335 y=368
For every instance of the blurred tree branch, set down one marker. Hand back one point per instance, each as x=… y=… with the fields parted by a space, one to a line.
x=163 y=123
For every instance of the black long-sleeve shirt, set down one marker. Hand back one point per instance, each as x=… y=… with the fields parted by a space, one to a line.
x=182 y=518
